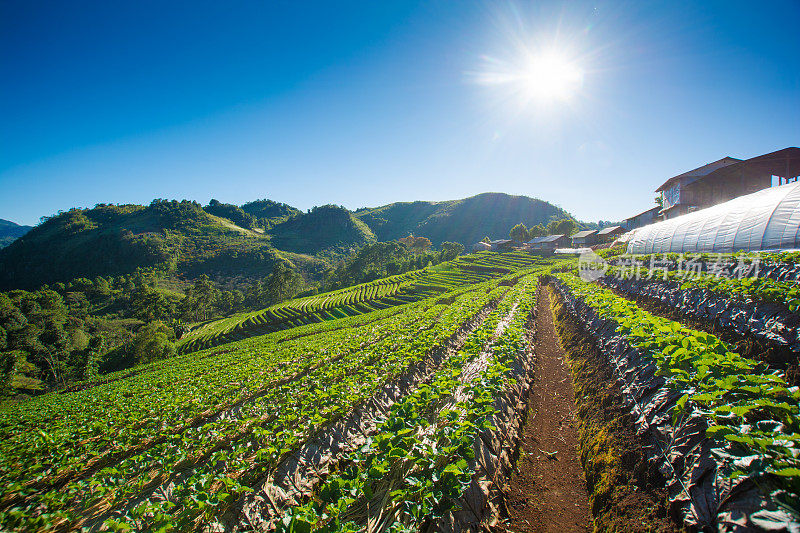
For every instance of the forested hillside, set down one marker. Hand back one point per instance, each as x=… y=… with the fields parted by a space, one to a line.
x=465 y=221
x=109 y=240
x=228 y=242
x=107 y=288
x=328 y=226
x=10 y=231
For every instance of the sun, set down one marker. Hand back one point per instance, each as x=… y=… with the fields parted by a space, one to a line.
x=532 y=76
x=549 y=76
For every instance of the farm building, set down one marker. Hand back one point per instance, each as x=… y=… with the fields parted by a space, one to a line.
x=584 y=238
x=609 y=234
x=502 y=245
x=547 y=244
x=481 y=247
x=642 y=219
x=765 y=220
x=726 y=179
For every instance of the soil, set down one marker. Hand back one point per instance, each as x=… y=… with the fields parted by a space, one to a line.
x=548 y=491
x=625 y=492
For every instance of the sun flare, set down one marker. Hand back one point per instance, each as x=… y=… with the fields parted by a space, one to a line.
x=550 y=76
x=539 y=77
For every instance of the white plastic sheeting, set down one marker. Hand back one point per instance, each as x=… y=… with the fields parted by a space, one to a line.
x=765 y=220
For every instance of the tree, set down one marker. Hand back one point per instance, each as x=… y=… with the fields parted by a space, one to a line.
x=486 y=239
x=148 y=305
x=408 y=242
x=8 y=362
x=225 y=302
x=199 y=300
x=537 y=231
x=451 y=250
x=519 y=233
x=566 y=227
x=282 y=283
x=420 y=244
x=153 y=342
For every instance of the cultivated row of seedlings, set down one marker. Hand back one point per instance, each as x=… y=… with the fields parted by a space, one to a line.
x=510 y=260
x=760 y=308
x=365 y=298
x=433 y=461
x=724 y=430
x=176 y=444
x=784 y=266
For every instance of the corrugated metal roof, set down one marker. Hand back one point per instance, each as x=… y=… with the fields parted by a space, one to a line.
x=585 y=233
x=652 y=209
x=610 y=229
x=548 y=238
x=701 y=171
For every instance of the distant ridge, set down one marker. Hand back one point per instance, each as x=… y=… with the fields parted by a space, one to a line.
x=466 y=221
x=11 y=231
x=185 y=239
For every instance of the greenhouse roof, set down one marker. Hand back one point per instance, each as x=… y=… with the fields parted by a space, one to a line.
x=765 y=220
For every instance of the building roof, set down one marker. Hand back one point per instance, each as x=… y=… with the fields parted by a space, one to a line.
x=784 y=163
x=763 y=220
x=610 y=229
x=548 y=238
x=656 y=209
x=500 y=241
x=585 y=233
x=700 y=171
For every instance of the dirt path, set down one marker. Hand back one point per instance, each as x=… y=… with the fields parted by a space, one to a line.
x=548 y=492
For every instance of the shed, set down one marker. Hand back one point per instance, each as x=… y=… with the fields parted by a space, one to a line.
x=609 y=234
x=481 y=247
x=726 y=179
x=584 y=238
x=502 y=245
x=547 y=244
x=642 y=219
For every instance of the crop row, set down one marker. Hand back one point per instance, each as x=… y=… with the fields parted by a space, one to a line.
x=418 y=465
x=778 y=266
x=759 y=289
x=748 y=412
x=195 y=495
x=109 y=445
x=360 y=299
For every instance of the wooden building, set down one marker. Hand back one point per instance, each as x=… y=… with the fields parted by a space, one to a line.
x=502 y=245
x=609 y=234
x=642 y=219
x=547 y=244
x=585 y=238
x=726 y=179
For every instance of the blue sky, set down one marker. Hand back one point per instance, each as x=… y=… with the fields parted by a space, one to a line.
x=366 y=103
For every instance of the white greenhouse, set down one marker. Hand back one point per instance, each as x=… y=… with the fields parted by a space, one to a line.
x=765 y=220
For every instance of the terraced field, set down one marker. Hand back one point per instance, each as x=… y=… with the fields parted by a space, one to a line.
x=417 y=417
x=365 y=298
x=193 y=440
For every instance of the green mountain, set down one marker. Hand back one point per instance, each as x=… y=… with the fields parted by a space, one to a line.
x=325 y=227
x=10 y=231
x=465 y=221
x=234 y=244
x=109 y=240
x=269 y=211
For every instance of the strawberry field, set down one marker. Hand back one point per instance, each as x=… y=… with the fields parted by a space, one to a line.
x=402 y=405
